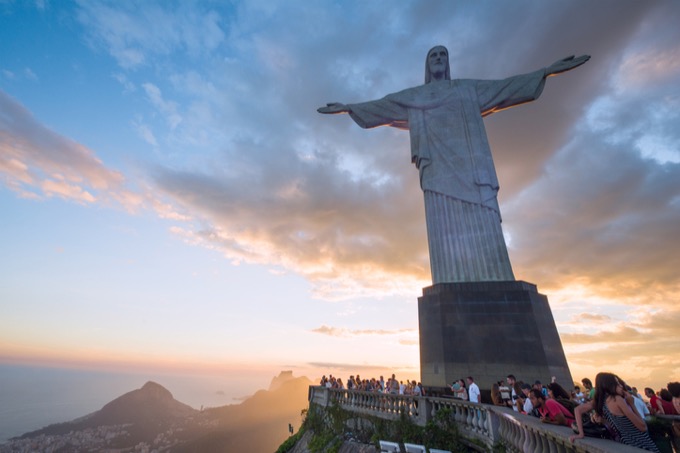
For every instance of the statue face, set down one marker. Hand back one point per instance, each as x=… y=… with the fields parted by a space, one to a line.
x=438 y=61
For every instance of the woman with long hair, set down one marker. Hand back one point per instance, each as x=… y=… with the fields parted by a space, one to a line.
x=556 y=391
x=496 y=398
x=616 y=406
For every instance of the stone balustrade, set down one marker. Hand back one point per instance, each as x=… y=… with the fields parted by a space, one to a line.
x=486 y=424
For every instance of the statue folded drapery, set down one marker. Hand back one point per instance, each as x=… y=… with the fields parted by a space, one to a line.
x=449 y=147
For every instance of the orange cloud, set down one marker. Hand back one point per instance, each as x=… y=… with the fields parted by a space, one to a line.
x=644 y=351
x=342 y=332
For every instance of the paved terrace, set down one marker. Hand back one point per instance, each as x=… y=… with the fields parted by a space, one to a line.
x=487 y=423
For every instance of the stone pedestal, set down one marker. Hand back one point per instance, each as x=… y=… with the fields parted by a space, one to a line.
x=488 y=330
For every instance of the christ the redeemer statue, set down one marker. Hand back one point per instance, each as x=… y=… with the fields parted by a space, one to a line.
x=450 y=149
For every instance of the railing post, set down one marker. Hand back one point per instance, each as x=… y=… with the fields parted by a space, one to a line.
x=492 y=426
x=424 y=411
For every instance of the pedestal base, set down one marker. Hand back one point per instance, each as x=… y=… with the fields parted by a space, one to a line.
x=488 y=330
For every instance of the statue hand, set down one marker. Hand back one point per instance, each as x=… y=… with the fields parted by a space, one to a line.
x=333 y=107
x=566 y=64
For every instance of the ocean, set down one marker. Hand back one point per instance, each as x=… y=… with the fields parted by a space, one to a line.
x=33 y=397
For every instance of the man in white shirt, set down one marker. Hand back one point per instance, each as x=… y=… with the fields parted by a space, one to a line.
x=640 y=405
x=527 y=407
x=473 y=391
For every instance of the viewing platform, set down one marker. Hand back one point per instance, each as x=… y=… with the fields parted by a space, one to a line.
x=482 y=425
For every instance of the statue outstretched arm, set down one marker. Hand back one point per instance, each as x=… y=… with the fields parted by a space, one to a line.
x=565 y=64
x=381 y=112
x=333 y=108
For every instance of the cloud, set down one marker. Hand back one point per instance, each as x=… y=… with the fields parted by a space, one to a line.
x=66 y=190
x=135 y=33
x=622 y=334
x=642 y=349
x=35 y=161
x=609 y=225
x=128 y=86
x=167 y=108
x=590 y=318
x=342 y=332
x=145 y=133
x=347 y=367
x=297 y=208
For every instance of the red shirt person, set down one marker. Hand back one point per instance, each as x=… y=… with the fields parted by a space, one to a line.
x=657 y=405
x=551 y=411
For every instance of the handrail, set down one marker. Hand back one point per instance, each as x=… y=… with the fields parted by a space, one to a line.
x=482 y=422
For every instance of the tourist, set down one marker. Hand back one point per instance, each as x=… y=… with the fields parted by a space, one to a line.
x=588 y=385
x=515 y=392
x=538 y=386
x=579 y=397
x=674 y=390
x=640 y=405
x=666 y=400
x=550 y=410
x=393 y=385
x=496 y=397
x=459 y=390
x=556 y=391
x=417 y=389
x=654 y=404
x=527 y=406
x=615 y=406
x=473 y=391
x=505 y=392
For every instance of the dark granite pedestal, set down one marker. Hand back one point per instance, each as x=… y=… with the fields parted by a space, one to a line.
x=488 y=330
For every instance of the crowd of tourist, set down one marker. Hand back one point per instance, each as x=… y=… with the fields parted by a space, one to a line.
x=391 y=385
x=609 y=409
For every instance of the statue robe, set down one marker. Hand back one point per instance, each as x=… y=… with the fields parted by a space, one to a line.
x=449 y=147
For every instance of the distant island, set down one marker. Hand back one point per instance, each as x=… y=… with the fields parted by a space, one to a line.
x=149 y=418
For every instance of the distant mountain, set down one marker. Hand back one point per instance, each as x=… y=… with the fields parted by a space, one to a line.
x=151 y=402
x=279 y=380
x=150 y=415
x=150 y=410
x=258 y=424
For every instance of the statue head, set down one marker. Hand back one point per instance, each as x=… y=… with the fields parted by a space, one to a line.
x=437 y=64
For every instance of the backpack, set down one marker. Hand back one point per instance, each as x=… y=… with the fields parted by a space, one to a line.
x=568 y=405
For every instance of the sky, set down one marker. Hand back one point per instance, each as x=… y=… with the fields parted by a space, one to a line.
x=171 y=199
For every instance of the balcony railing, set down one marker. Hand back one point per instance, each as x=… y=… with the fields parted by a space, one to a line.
x=481 y=422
